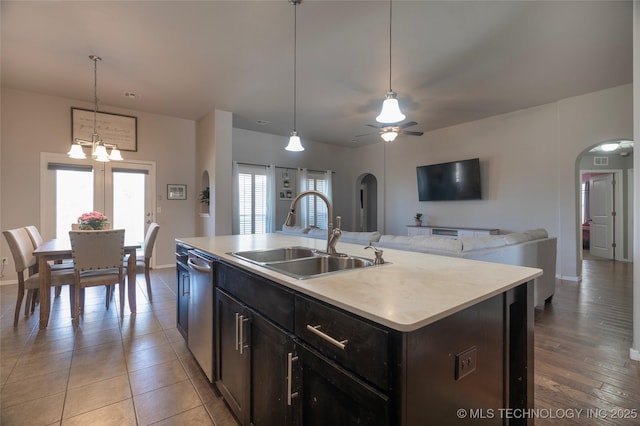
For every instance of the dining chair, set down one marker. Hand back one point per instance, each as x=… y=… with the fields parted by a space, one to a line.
x=143 y=261
x=37 y=240
x=97 y=260
x=21 y=247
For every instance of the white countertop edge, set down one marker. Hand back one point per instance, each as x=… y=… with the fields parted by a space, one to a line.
x=376 y=279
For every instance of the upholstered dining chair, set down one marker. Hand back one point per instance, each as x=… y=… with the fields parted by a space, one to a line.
x=21 y=248
x=97 y=260
x=143 y=261
x=37 y=240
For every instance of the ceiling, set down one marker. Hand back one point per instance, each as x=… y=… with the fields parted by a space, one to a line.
x=452 y=61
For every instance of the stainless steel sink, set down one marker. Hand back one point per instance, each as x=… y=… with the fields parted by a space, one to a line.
x=302 y=262
x=319 y=265
x=276 y=255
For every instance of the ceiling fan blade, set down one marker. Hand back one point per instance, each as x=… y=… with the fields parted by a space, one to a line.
x=407 y=124
x=364 y=134
x=408 y=132
x=371 y=125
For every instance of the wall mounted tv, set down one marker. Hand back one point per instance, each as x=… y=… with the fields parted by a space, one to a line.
x=457 y=180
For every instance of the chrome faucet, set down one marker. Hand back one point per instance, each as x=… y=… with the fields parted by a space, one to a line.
x=333 y=234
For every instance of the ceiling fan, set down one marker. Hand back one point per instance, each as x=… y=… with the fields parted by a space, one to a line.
x=388 y=132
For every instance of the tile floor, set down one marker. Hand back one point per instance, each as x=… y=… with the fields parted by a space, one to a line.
x=131 y=371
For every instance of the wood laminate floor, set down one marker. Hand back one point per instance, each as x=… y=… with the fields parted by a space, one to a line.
x=138 y=371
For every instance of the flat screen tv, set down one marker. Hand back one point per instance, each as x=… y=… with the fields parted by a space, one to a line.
x=457 y=180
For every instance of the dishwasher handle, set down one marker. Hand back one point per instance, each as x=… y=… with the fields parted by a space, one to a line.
x=203 y=264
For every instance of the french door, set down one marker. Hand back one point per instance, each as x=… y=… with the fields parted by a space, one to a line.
x=122 y=190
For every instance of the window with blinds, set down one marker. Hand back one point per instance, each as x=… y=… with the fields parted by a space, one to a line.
x=317 y=214
x=252 y=200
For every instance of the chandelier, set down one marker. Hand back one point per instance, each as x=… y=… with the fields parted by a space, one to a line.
x=98 y=148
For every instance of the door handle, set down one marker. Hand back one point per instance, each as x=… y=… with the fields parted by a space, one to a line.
x=186 y=283
x=290 y=360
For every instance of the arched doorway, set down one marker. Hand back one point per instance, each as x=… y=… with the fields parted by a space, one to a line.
x=605 y=201
x=366 y=203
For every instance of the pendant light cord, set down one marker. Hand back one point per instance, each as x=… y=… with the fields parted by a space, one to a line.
x=390 y=45
x=295 y=35
x=95 y=60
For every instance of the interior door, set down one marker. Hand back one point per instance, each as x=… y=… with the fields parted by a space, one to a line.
x=601 y=215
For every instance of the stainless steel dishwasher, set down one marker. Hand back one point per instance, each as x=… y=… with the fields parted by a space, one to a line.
x=200 y=340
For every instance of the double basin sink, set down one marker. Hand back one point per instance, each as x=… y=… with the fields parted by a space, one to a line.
x=302 y=262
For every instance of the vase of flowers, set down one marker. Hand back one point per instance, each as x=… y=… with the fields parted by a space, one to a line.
x=93 y=221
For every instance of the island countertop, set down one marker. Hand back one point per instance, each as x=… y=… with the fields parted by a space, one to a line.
x=411 y=290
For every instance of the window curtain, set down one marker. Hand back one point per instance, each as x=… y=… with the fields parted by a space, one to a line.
x=329 y=194
x=271 y=197
x=235 y=226
x=301 y=214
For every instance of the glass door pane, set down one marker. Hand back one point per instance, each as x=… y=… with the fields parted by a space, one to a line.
x=128 y=204
x=74 y=196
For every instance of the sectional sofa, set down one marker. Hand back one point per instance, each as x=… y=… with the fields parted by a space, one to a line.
x=533 y=248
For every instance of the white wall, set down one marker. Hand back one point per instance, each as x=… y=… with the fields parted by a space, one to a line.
x=264 y=148
x=34 y=123
x=528 y=165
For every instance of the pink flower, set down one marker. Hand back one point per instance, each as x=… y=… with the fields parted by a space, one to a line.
x=92 y=216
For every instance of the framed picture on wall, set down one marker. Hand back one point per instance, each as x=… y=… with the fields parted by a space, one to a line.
x=176 y=192
x=114 y=129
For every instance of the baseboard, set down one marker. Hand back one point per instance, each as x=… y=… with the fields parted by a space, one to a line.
x=170 y=265
x=8 y=282
x=634 y=354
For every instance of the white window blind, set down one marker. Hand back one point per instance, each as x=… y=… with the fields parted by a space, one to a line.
x=317 y=214
x=252 y=200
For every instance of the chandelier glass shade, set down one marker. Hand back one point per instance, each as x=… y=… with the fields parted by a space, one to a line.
x=98 y=148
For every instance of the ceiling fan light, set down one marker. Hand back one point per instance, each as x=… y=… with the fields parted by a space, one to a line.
x=389 y=136
x=294 y=142
x=608 y=147
x=115 y=155
x=76 y=152
x=390 y=112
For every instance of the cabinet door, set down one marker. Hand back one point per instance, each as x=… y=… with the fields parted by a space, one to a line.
x=273 y=361
x=233 y=356
x=182 y=300
x=330 y=395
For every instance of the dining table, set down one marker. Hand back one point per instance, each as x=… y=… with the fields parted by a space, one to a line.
x=60 y=249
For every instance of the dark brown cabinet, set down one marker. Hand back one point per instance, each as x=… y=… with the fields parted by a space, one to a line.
x=255 y=364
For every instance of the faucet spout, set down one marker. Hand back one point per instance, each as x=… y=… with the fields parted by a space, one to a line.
x=332 y=233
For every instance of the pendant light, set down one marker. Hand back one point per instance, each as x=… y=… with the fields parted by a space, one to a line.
x=98 y=148
x=390 y=112
x=294 y=140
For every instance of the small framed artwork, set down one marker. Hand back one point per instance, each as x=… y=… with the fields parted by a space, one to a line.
x=286 y=184
x=176 y=192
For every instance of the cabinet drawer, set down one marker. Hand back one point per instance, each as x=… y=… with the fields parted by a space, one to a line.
x=354 y=343
x=273 y=301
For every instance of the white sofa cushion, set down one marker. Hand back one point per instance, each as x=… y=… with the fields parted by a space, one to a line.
x=428 y=244
x=537 y=234
x=479 y=243
x=517 y=238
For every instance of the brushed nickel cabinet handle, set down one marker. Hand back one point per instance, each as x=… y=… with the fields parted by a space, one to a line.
x=243 y=319
x=237 y=316
x=290 y=360
x=342 y=344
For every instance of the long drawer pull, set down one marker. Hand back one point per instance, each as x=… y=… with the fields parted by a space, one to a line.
x=315 y=329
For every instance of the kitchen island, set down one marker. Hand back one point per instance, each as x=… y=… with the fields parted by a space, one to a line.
x=421 y=339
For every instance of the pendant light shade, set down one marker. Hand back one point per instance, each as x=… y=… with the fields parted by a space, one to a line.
x=390 y=112
x=98 y=148
x=294 y=140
